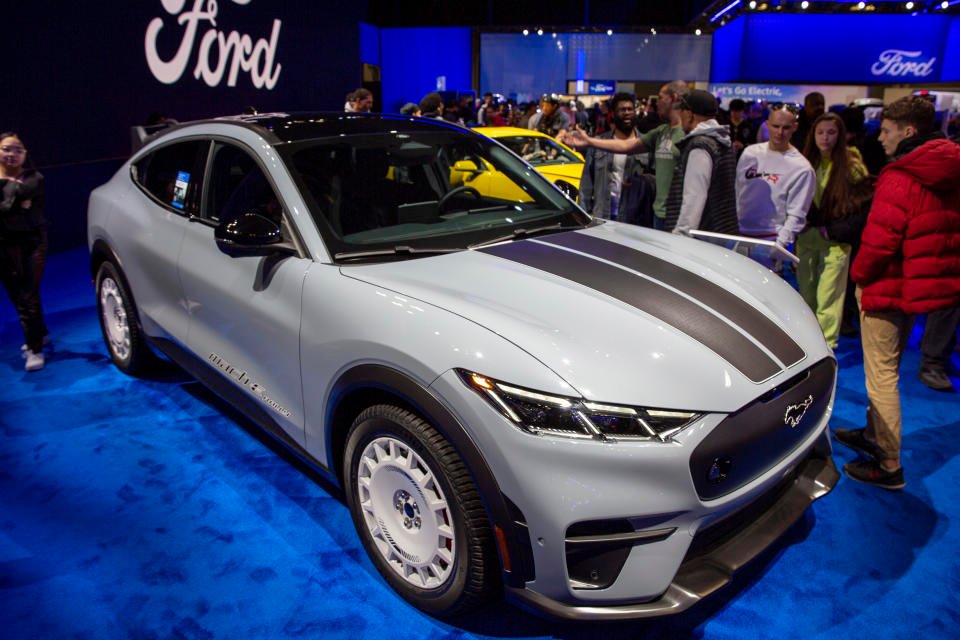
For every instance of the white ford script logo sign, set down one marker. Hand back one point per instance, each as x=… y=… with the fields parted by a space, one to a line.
x=896 y=62
x=232 y=52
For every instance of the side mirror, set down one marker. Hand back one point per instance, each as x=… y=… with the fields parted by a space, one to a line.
x=252 y=234
x=468 y=166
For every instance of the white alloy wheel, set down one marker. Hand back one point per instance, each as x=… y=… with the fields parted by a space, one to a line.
x=114 y=318
x=406 y=513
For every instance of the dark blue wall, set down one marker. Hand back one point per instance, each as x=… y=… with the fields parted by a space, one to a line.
x=412 y=59
x=76 y=79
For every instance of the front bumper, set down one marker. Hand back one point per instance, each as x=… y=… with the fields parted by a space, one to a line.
x=718 y=551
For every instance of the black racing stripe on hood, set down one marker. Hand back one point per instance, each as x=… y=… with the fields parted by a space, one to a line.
x=762 y=328
x=647 y=296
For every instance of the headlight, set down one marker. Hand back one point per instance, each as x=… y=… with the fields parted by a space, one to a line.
x=538 y=412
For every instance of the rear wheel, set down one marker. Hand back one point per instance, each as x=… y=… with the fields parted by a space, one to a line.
x=119 y=325
x=418 y=512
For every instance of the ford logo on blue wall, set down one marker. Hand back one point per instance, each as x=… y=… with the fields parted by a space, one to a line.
x=898 y=63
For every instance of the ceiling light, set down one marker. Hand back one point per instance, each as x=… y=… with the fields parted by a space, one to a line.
x=861 y=5
x=609 y=32
x=727 y=8
x=804 y=5
x=698 y=32
x=909 y=6
x=944 y=4
x=553 y=35
x=753 y=4
x=526 y=32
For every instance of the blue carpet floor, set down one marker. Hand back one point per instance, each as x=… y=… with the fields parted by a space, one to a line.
x=148 y=509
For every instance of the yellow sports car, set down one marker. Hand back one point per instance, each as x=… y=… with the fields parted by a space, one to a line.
x=558 y=162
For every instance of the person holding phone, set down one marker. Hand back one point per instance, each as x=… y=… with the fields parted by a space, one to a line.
x=23 y=244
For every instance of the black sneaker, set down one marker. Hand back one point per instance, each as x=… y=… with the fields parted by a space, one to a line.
x=870 y=472
x=856 y=440
x=936 y=379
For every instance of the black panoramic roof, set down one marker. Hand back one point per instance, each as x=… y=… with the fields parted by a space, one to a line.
x=293 y=127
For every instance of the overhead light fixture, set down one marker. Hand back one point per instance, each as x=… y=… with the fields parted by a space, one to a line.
x=698 y=32
x=861 y=5
x=653 y=31
x=553 y=35
x=753 y=4
x=526 y=32
x=609 y=32
x=719 y=14
x=804 y=5
x=539 y=32
x=908 y=6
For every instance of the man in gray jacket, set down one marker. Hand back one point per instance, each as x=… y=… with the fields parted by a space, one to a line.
x=605 y=174
x=702 y=192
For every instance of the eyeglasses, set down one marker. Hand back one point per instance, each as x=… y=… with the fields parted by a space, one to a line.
x=13 y=148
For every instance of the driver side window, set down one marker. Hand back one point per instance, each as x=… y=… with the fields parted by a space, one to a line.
x=237 y=185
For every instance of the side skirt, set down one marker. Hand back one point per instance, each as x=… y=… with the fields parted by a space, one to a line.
x=243 y=403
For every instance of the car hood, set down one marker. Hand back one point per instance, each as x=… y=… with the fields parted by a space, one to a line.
x=570 y=172
x=625 y=314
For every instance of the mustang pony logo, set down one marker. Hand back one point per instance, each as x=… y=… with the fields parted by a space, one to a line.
x=795 y=412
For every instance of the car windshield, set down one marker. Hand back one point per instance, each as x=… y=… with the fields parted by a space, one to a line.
x=539 y=151
x=412 y=193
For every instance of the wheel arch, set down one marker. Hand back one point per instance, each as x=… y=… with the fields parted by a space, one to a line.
x=369 y=384
x=101 y=252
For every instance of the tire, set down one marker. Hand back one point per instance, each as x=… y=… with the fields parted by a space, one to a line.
x=440 y=558
x=119 y=324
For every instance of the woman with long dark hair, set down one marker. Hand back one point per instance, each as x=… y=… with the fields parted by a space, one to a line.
x=23 y=243
x=834 y=223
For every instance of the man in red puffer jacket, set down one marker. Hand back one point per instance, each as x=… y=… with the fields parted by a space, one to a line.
x=909 y=263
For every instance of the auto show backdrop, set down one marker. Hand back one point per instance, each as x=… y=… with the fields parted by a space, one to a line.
x=527 y=66
x=81 y=74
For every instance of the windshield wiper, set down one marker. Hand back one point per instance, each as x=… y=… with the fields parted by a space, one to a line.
x=523 y=232
x=399 y=250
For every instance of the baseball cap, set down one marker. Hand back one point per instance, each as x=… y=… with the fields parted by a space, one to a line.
x=699 y=102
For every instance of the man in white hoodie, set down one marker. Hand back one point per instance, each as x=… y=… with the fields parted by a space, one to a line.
x=702 y=194
x=775 y=185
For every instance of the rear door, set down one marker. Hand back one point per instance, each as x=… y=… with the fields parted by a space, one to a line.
x=169 y=178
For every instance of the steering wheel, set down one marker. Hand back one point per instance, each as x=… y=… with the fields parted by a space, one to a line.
x=457 y=191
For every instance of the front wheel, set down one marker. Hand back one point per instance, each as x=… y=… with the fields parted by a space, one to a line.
x=418 y=512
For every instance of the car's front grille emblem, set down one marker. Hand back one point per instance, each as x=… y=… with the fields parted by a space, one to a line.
x=795 y=412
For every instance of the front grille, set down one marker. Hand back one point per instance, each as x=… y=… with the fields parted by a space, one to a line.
x=712 y=536
x=747 y=443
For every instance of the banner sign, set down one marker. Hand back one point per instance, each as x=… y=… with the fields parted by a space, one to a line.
x=834 y=94
x=601 y=87
x=887 y=48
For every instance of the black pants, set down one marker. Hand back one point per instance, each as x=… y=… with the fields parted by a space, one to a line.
x=22 y=259
x=939 y=336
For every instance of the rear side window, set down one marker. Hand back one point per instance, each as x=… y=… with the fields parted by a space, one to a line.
x=173 y=174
